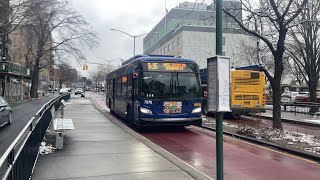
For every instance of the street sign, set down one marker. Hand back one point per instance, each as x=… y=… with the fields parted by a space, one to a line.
x=63 y=124
x=218 y=80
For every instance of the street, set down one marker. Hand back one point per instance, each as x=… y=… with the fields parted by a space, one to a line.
x=21 y=114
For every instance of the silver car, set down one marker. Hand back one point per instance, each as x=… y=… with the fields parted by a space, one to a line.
x=5 y=113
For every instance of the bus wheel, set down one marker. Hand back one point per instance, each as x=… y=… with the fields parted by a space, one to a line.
x=129 y=117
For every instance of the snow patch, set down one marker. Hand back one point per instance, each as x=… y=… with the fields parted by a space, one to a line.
x=45 y=149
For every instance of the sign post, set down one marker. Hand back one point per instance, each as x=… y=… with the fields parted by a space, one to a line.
x=219 y=118
x=219 y=100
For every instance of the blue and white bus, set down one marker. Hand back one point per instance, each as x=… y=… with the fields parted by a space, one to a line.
x=152 y=90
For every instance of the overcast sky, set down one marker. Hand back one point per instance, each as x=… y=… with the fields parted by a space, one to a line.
x=132 y=16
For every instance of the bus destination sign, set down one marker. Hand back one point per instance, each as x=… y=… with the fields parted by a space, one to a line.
x=167 y=66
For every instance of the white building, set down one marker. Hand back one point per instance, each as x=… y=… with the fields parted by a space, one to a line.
x=190 y=33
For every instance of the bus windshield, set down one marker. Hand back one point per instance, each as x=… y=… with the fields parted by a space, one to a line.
x=170 y=85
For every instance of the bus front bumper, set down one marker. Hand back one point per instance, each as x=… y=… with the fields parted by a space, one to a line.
x=171 y=121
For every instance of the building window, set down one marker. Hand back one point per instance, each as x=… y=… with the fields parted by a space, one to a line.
x=165 y=50
x=223 y=41
x=173 y=45
x=169 y=48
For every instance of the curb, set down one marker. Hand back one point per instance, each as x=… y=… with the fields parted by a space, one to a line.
x=196 y=174
x=299 y=153
x=290 y=121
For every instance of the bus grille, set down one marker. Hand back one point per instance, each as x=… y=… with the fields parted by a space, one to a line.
x=241 y=81
x=246 y=97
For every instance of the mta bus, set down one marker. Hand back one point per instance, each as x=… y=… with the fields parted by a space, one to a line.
x=152 y=90
x=247 y=90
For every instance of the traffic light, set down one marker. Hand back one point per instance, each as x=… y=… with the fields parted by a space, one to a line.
x=85 y=67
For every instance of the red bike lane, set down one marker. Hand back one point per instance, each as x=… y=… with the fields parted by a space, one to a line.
x=242 y=160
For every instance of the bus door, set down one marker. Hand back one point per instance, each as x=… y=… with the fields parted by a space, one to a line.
x=113 y=91
x=135 y=95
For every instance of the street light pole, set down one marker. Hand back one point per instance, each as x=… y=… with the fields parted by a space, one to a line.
x=134 y=46
x=134 y=39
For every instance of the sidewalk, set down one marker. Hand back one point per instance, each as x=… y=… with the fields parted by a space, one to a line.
x=99 y=149
x=289 y=116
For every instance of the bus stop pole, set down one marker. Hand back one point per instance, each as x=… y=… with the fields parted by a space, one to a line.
x=219 y=115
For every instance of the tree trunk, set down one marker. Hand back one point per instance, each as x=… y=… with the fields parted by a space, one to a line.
x=34 y=83
x=276 y=89
x=35 y=80
x=276 y=96
x=313 y=95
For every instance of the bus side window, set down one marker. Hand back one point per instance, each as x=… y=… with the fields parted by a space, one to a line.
x=124 y=85
x=119 y=90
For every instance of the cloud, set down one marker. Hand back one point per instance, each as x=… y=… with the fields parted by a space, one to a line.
x=134 y=17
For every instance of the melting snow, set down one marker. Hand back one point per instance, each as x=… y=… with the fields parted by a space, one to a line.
x=277 y=135
x=46 y=149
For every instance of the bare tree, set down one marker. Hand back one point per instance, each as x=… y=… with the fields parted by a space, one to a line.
x=277 y=17
x=67 y=74
x=304 y=46
x=48 y=18
x=100 y=75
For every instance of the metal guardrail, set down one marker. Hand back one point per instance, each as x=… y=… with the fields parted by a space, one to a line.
x=307 y=108
x=18 y=161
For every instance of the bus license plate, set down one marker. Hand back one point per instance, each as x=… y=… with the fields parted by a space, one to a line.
x=171 y=107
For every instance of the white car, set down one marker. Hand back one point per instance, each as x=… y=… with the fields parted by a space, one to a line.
x=78 y=91
x=288 y=96
x=64 y=90
x=5 y=112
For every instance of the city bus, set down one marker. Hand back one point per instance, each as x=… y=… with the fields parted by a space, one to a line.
x=152 y=90
x=247 y=90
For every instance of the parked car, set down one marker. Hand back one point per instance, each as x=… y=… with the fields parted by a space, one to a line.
x=41 y=92
x=5 y=112
x=288 y=96
x=305 y=97
x=78 y=91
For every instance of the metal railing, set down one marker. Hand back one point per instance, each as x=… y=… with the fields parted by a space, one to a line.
x=307 y=108
x=19 y=159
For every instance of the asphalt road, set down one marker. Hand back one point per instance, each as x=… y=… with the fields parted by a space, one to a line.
x=21 y=114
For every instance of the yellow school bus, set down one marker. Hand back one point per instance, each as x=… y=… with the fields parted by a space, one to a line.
x=247 y=91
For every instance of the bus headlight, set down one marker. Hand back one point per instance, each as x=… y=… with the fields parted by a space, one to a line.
x=145 y=110
x=196 y=110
